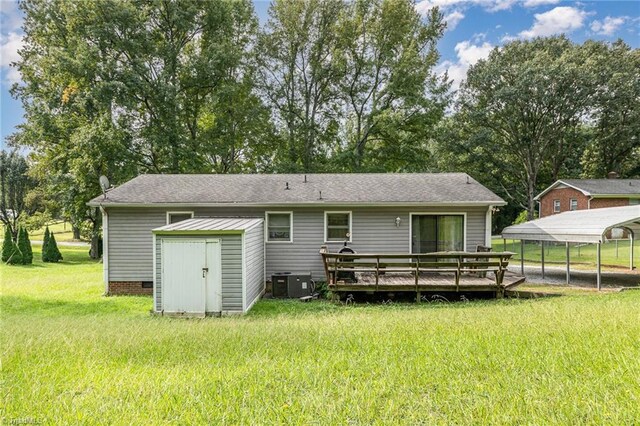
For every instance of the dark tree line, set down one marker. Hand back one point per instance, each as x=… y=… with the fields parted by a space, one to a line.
x=190 y=86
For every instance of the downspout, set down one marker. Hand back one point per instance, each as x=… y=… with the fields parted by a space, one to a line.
x=487 y=227
x=589 y=202
x=105 y=249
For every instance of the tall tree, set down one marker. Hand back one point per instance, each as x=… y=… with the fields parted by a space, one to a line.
x=391 y=95
x=300 y=72
x=527 y=101
x=15 y=183
x=615 y=110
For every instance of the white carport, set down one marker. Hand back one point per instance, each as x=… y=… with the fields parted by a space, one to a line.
x=580 y=226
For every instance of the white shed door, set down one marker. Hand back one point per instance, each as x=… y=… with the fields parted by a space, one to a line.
x=191 y=276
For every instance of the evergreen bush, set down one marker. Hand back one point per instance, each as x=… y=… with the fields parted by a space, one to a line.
x=7 y=244
x=45 y=245
x=24 y=247
x=52 y=252
x=15 y=258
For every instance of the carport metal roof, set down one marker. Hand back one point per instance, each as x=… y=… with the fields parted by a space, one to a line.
x=579 y=226
x=210 y=224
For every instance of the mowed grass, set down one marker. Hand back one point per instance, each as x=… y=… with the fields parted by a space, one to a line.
x=70 y=355
x=62 y=231
x=584 y=254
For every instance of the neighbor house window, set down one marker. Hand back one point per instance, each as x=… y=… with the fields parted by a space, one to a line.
x=556 y=206
x=634 y=201
x=279 y=226
x=337 y=226
x=574 y=204
x=434 y=233
x=174 y=217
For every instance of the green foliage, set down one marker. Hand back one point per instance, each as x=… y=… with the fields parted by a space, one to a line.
x=15 y=183
x=524 y=217
x=50 y=251
x=45 y=245
x=24 y=246
x=7 y=244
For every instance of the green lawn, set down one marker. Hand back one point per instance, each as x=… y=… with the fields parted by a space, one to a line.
x=71 y=356
x=579 y=253
x=62 y=230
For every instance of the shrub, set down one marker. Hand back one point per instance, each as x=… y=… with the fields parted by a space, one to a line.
x=45 y=245
x=7 y=244
x=24 y=245
x=52 y=253
x=15 y=258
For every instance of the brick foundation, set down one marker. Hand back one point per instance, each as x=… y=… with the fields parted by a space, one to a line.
x=131 y=288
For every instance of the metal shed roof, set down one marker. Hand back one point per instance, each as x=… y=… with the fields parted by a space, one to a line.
x=579 y=226
x=217 y=224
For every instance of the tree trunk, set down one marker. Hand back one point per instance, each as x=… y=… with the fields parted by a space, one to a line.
x=95 y=252
x=76 y=232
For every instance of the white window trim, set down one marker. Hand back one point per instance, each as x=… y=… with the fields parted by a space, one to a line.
x=350 y=225
x=266 y=227
x=177 y=212
x=464 y=224
x=559 y=206
x=571 y=201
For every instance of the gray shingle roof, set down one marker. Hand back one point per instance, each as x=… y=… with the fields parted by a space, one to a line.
x=595 y=187
x=606 y=186
x=270 y=189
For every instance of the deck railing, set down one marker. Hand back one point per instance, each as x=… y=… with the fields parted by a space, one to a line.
x=339 y=267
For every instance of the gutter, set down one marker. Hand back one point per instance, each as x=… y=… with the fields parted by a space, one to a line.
x=105 y=248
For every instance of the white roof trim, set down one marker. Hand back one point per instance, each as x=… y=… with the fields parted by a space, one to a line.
x=303 y=204
x=553 y=185
x=213 y=224
x=579 y=226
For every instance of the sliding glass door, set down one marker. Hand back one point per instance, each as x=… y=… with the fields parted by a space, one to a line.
x=431 y=233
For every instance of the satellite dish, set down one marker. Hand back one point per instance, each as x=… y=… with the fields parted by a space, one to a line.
x=104 y=184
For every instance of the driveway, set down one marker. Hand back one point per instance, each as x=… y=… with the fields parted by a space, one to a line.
x=580 y=278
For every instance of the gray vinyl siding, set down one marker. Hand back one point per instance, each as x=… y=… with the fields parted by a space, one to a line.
x=231 y=264
x=254 y=263
x=373 y=230
x=231 y=272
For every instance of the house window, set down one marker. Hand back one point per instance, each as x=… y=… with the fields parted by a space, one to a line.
x=573 y=204
x=634 y=201
x=433 y=233
x=556 y=206
x=279 y=226
x=337 y=226
x=174 y=217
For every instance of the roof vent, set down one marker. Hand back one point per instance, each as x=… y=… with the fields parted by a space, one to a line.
x=320 y=198
x=613 y=175
x=286 y=186
x=468 y=182
x=305 y=178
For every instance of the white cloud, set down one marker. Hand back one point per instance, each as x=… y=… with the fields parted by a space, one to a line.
x=453 y=19
x=10 y=40
x=609 y=26
x=536 y=3
x=562 y=19
x=9 y=45
x=468 y=54
x=423 y=6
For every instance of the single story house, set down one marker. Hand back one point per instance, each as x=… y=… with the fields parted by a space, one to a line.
x=255 y=225
x=585 y=194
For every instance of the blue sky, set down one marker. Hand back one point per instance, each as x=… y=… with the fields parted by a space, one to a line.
x=474 y=28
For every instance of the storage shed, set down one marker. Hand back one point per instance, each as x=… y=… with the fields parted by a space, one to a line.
x=208 y=266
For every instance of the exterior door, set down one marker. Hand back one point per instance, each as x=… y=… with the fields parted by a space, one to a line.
x=437 y=233
x=183 y=276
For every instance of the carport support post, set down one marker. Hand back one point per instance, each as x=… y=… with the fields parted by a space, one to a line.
x=599 y=266
x=542 y=257
x=631 y=250
x=522 y=257
x=568 y=260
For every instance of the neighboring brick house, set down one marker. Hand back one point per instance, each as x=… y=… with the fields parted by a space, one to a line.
x=585 y=194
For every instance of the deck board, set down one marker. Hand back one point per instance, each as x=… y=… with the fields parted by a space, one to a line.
x=398 y=281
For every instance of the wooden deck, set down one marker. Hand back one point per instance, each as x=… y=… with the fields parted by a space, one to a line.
x=419 y=272
x=426 y=282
